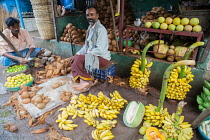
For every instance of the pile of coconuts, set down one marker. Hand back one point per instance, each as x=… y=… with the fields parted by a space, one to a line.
x=28 y=95
x=104 y=10
x=73 y=35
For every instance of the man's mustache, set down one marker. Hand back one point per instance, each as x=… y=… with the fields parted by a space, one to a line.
x=17 y=31
x=91 y=20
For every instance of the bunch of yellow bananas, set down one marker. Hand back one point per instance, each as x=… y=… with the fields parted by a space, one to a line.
x=91 y=107
x=139 y=79
x=102 y=134
x=177 y=129
x=106 y=124
x=153 y=117
x=63 y=123
x=178 y=88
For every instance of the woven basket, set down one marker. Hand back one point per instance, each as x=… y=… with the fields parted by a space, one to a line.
x=43 y=15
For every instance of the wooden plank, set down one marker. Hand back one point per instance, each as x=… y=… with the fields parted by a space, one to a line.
x=206 y=51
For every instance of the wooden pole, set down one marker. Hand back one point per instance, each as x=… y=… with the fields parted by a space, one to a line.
x=114 y=25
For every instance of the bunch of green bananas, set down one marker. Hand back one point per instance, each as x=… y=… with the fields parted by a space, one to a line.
x=139 y=79
x=102 y=134
x=203 y=100
x=178 y=88
x=153 y=117
x=177 y=129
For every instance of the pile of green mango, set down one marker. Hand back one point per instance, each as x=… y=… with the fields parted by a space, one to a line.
x=203 y=100
x=16 y=68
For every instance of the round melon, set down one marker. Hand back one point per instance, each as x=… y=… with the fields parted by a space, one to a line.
x=155 y=25
x=148 y=24
x=180 y=27
x=133 y=114
x=168 y=20
x=185 y=21
x=188 y=28
x=194 y=21
x=161 y=19
x=176 y=21
x=197 y=28
x=171 y=27
x=163 y=48
x=163 y=26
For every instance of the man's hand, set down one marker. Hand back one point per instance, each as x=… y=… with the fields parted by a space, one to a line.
x=22 y=60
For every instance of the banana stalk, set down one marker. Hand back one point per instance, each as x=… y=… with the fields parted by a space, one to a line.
x=186 y=56
x=145 y=51
x=166 y=77
x=179 y=109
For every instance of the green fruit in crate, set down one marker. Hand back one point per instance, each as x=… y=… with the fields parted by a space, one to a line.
x=171 y=27
x=206 y=84
x=18 y=80
x=179 y=27
x=133 y=114
x=155 y=25
x=16 y=68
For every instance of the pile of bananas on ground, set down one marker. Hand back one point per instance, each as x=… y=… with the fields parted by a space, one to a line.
x=203 y=100
x=177 y=129
x=153 y=117
x=139 y=79
x=91 y=107
x=178 y=88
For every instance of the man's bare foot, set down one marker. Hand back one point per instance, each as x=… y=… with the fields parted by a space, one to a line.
x=81 y=86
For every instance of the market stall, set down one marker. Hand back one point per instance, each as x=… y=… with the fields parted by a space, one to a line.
x=117 y=108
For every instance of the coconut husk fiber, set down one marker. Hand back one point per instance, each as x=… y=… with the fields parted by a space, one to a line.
x=122 y=132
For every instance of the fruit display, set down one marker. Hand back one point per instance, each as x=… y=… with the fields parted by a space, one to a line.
x=203 y=99
x=16 y=68
x=91 y=107
x=154 y=117
x=175 y=127
x=139 y=70
x=152 y=16
x=73 y=35
x=133 y=114
x=18 y=80
x=60 y=67
x=177 y=24
x=160 y=48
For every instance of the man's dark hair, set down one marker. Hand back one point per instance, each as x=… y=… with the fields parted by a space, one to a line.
x=10 y=21
x=92 y=7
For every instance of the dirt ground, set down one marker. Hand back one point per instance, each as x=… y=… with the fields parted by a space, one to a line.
x=7 y=114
